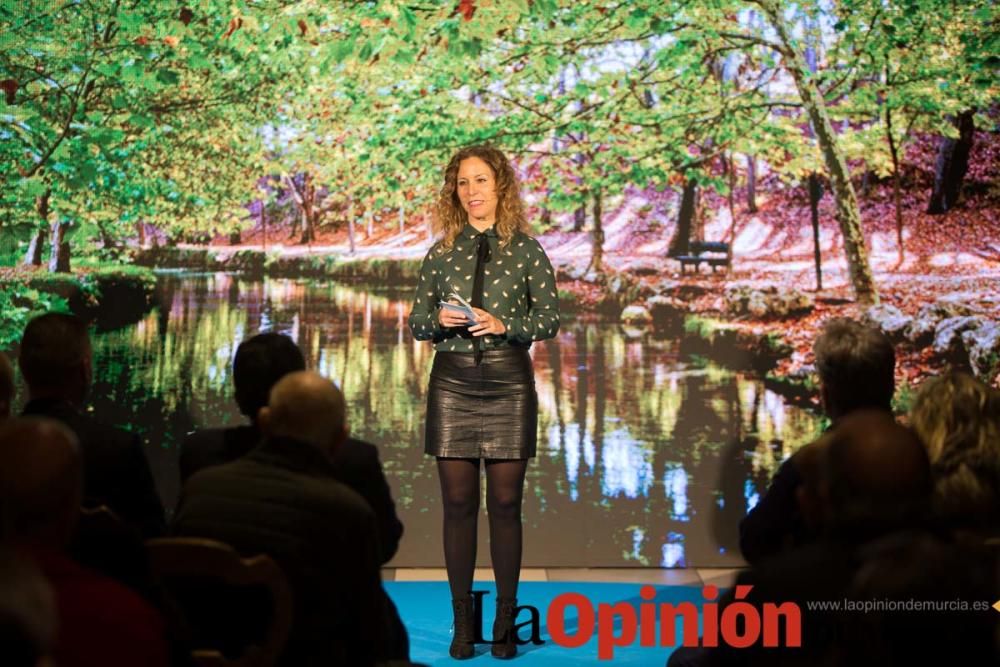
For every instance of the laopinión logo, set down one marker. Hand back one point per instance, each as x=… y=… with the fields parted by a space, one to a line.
x=740 y=625
x=535 y=623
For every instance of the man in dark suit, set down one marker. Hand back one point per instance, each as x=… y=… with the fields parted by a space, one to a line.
x=283 y=499
x=56 y=362
x=260 y=362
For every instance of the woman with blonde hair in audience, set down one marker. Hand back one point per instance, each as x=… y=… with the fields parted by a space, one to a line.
x=958 y=419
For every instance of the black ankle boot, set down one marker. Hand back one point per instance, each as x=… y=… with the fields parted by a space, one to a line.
x=503 y=629
x=462 y=646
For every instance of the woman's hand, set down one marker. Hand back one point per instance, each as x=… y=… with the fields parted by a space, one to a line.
x=450 y=318
x=486 y=324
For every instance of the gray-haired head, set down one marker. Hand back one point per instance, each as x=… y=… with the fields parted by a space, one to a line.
x=856 y=365
x=308 y=407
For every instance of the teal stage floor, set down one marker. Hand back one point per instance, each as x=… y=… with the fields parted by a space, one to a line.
x=426 y=610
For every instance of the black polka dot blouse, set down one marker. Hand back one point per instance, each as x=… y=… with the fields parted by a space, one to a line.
x=519 y=288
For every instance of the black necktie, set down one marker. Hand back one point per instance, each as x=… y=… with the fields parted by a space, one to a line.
x=482 y=257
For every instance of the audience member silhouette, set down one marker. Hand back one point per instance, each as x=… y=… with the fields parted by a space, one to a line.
x=283 y=499
x=259 y=363
x=55 y=360
x=27 y=613
x=855 y=364
x=871 y=478
x=866 y=479
x=954 y=583
x=100 y=622
x=7 y=389
x=958 y=419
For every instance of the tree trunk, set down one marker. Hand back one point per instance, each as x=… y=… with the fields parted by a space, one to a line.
x=866 y=182
x=698 y=222
x=107 y=241
x=848 y=215
x=59 y=260
x=34 y=255
x=597 y=236
x=815 y=194
x=235 y=238
x=308 y=210
x=952 y=163
x=140 y=229
x=263 y=223
x=370 y=224
x=897 y=196
x=350 y=231
x=307 y=233
x=682 y=235
x=579 y=217
x=730 y=164
x=580 y=214
x=751 y=184
x=402 y=219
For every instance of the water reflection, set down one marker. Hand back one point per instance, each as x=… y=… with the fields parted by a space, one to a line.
x=644 y=458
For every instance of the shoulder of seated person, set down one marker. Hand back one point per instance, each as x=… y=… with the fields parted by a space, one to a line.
x=202 y=435
x=92 y=429
x=356 y=451
x=804 y=453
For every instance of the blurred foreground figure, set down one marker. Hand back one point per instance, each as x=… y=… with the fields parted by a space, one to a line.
x=100 y=622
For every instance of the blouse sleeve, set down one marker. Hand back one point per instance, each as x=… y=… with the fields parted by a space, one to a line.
x=542 y=320
x=423 y=320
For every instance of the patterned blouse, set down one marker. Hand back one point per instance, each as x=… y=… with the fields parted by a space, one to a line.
x=519 y=289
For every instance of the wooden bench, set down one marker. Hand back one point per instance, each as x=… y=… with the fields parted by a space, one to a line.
x=713 y=253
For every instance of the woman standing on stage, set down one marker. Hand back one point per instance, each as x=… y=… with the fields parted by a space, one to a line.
x=481 y=404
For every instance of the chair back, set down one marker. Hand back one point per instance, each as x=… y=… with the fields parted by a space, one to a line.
x=174 y=559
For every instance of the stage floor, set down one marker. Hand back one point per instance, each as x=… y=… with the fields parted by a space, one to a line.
x=721 y=577
x=422 y=598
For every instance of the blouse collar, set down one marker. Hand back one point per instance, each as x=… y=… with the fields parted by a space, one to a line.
x=471 y=232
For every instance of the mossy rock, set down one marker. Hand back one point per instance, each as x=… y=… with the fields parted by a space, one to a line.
x=731 y=345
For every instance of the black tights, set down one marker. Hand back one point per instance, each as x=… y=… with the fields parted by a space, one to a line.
x=460 y=493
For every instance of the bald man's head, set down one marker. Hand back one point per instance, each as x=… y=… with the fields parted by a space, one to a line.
x=307 y=407
x=40 y=481
x=877 y=476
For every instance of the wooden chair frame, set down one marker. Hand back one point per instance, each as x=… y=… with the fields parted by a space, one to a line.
x=198 y=557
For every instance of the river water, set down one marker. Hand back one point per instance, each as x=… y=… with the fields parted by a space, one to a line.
x=646 y=457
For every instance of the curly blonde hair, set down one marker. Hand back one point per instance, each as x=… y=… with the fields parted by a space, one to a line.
x=955 y=414
x=450 y=218
x=958 y=419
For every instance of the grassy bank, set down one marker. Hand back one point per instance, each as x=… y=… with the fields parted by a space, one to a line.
x=274 y=263
x=109 y=295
